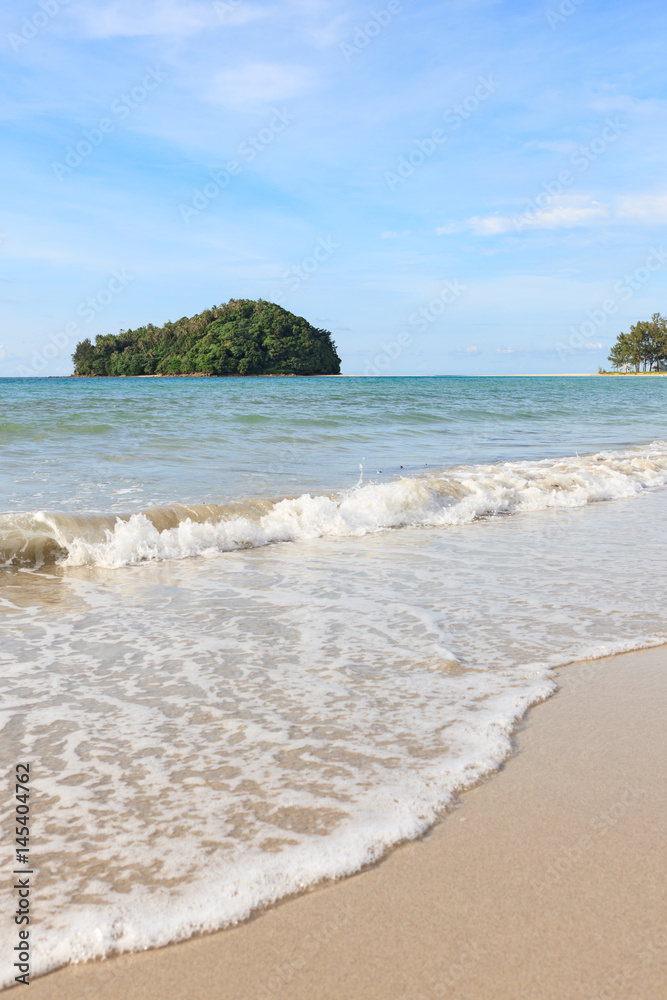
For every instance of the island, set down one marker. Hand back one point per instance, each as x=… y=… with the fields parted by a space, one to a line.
x=239 y=337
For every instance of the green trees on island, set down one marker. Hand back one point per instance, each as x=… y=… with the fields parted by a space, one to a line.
x=240 y=337
x=644 y=348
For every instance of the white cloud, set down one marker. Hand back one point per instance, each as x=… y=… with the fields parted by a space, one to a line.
x=504 y=350
x=569 y=216
x=258 y=83
x=451 y=227
x=564 y=147
x=322 y=36
x=644 y=207
x=563 y=213
x=163 y=17
x=631 y=105
x=467 y=350
x=160 y=18
x=2 y=351
x=489 y=225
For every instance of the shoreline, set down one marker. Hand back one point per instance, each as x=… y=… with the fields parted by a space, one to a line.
x=539 y=883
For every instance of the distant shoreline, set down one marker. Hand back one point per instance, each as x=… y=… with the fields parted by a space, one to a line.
x=205 y=375
x=582 y=375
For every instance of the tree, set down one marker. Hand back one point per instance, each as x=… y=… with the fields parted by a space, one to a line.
x=621 y=353
x=656 y=338
x=83 y=357
x=645 y=345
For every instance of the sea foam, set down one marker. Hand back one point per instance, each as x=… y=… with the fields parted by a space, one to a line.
x=454 y=496
x=209 y=735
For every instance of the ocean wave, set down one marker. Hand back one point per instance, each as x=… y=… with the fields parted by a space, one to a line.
x=453 y=496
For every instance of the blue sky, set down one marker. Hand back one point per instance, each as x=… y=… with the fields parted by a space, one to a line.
x=450 y=188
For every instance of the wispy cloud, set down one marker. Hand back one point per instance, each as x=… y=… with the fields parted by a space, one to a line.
x=630 y=105
x=563 y=213
x=648 y=208
x=568 y=216
x=259 y=84
x=162 y=17
x=562 y=146
x=326 y=33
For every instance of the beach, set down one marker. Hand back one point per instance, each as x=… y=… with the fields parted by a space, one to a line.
x=333 y=645
x=544 y=881
x=259 y=665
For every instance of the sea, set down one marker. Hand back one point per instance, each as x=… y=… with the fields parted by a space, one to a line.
x=256 y=632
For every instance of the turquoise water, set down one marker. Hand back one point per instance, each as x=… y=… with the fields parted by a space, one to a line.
x=258 y=631
x=124 y=444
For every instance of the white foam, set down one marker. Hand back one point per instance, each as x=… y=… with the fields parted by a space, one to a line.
x=209 y=736
x=457 y=496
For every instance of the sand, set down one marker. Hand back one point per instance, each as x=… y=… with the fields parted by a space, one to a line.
x=545 y=882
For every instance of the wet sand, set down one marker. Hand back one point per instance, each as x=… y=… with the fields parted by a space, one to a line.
x=545 y=882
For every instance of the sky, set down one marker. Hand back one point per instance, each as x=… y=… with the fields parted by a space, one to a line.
x=466 y=187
